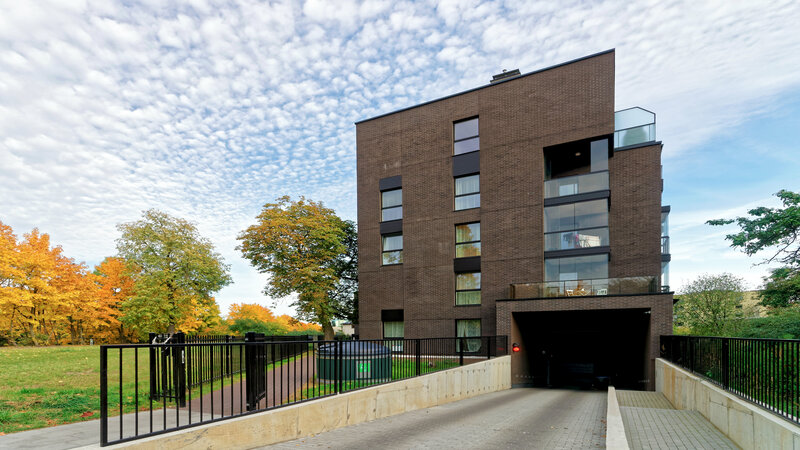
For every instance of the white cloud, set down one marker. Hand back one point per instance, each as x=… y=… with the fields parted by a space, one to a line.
x=209 y=109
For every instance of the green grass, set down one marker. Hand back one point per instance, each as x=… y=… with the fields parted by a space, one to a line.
x=402 y=368
x=47 y=386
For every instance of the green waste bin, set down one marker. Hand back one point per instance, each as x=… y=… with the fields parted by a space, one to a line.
x=366 y=362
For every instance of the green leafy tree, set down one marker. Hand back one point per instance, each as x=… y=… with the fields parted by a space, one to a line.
x=344 y=295
x=301 y=245
x=175 y=273
x=778 y=231
x=711 y=305
x=243 y=325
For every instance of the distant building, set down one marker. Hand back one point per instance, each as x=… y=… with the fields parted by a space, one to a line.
x=528 y=208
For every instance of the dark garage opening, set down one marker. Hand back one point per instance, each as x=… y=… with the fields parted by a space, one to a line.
x=586 y=349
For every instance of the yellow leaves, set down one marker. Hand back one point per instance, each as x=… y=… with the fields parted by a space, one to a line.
x=47 y=297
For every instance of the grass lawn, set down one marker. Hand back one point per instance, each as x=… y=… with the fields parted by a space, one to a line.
x=45 y=386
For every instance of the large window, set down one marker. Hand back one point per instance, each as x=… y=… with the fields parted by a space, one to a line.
x=465 y=136
x=576 y=268
x=394 y=330
x=468 y=328
x=468 y=192
x=391 y=205
x=468 y=240
x=468 y=288
x=392 y=248
x=576 y=225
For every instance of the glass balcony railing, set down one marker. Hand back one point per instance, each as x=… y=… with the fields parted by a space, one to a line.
x=577 y=288
x=665 y=245
x=634 y=126
x=576 y=184
x=566 y=240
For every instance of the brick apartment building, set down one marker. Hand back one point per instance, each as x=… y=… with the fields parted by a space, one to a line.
x=528 y=208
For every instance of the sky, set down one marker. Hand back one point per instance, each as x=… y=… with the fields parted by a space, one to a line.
x=209 y=109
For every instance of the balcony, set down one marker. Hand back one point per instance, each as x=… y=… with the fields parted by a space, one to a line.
x=634 y=126
x=583 y=288
x=568 y=240
x=576 y=184
x=665 y=245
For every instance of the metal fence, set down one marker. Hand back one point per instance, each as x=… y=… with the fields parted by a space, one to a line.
x=169 y=373
x=260 y=375
x=765 y=372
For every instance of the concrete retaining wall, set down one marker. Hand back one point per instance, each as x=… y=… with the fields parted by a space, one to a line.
x=747 y=425
x=306 y=419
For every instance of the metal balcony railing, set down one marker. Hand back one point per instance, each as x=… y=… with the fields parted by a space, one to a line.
x=577 y=288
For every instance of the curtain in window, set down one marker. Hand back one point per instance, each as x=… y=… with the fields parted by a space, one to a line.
x=468 y=185
x=469 y=328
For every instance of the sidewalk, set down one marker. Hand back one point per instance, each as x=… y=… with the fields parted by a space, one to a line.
x=283 y=383
x=652 y=423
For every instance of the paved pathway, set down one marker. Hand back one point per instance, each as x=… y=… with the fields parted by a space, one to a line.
x=652 y=423
x=516 y=418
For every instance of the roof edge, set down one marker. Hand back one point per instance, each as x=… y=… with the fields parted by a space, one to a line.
x=611 y=50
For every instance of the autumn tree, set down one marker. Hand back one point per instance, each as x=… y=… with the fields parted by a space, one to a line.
x=709 y=305
x=777 y=231
x=299 y=243
x=115 y=287
x=175 y=271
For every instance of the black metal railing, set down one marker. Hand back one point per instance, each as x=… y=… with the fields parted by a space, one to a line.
x=262 y=375
x=168 y=367
x=765 y=372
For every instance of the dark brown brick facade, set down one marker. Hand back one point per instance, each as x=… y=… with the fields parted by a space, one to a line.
x=518 y=118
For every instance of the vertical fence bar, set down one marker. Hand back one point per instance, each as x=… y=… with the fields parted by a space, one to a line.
x=103 y=396
x=461 y=343
x=136 y=390
x=121 y=407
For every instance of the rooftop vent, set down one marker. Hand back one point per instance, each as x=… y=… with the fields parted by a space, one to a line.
x=505 y=75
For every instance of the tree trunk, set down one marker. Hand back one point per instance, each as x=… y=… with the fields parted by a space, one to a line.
x=327 y=330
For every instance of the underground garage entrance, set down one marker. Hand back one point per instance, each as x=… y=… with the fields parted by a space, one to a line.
x=585 y=349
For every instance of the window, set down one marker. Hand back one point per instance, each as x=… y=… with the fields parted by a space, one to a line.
x=394 y=330
x=468 y=288
x=468 y=328
x=665 y=275
x=465 y=136
x=576 y=225
x=576 y=268
x=391 y=205
x=392 y=249
x=468 y=240
x=468 y=192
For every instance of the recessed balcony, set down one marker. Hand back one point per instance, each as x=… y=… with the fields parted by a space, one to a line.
x=585 y=288
x=576 y=184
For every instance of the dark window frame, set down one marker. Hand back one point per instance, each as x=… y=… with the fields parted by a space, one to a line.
x=477 y=338
x=457 y=290
x=457 y=196
x=400 y=250
x=384 y=208
x=467 y=242
x=455 y=141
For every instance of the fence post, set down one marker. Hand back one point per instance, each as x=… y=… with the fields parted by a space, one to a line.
x=179 y=368
x=104 y=394
x=488 y=347
x=725 y=363
x=153 y=367
x=249 y=369
x=461 y=341
x=691 y=353
x=419 y=357
x=337 y=366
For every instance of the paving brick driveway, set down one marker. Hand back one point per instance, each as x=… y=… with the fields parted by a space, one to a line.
x=516 y=418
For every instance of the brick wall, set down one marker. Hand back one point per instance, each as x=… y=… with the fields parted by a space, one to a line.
x=518 y=118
